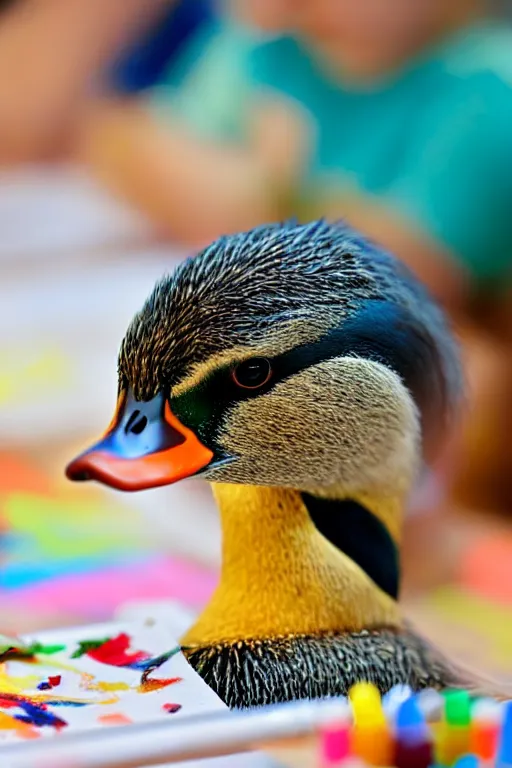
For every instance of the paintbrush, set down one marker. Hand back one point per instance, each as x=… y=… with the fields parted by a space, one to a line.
x=197 y=737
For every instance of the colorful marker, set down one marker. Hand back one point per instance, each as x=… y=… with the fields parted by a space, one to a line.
x=504 y=756
x=485 y=729
x=453 y=732
x=335 y=743
x=467 y=761
x=394 y=698
x=413 y=741
x=371 y=738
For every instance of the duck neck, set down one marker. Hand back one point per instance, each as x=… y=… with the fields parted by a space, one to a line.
x=281 y=576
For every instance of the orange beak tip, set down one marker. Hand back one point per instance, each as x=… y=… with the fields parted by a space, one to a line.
x=144 y=447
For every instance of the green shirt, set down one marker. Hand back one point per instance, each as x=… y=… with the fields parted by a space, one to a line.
x=432 y=142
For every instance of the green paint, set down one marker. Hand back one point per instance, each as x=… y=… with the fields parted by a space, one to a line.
x=16 y=649
x=458 y=708
x=88 y=645
x=38 y=649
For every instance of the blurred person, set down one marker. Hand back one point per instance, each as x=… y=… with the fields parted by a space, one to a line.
x=56 y=54
x=396 y=116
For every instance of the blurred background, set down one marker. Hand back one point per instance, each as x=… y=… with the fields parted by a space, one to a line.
x=134 y=131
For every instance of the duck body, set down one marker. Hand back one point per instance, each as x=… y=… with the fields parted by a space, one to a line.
x=308 y=377
x=258 y=642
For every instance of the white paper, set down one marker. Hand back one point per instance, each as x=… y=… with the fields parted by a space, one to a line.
x=80 y=678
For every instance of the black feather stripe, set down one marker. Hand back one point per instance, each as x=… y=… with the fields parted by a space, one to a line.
x=354 y=530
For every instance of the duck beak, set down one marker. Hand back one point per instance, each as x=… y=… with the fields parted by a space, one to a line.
x=144 y=446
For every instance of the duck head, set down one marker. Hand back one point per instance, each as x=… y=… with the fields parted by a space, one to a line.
x=298 y=356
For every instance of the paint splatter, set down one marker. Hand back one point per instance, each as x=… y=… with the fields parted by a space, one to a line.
x=52 y=682
x=37 y=649
x=152 y=663
x=26 y=714
x=149 y=684
x=34 y=713
x=115 y=718
x=106 y=686
x=26 y=652
x=84 y=646
x=23 y=730
x=116 y=653
x=171 y=708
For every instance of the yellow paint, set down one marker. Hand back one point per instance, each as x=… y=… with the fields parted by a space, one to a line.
x=52 y=696
x=104 y=686
x=24 y=730
x=27 y=685
x=280 y=576
x=10 y=684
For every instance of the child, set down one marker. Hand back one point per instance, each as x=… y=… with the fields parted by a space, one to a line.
x=396 y=116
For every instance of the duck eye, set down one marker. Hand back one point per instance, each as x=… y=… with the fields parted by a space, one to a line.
x=252 y=374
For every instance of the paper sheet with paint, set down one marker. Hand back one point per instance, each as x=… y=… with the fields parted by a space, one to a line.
x=96 y=677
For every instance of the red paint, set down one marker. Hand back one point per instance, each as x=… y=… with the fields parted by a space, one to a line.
x=171 y=708
x=54 y=680
x=115 y=652
x=11 y=700
x=8 y=703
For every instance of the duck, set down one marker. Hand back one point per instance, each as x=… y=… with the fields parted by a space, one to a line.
x=305 y=374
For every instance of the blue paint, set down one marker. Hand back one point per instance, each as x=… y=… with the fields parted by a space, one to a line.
x=38 y=715
x=154 y=662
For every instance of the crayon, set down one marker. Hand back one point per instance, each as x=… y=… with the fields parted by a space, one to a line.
x=453 y=733
x=394 y=698
x=467 y=761
x=504 y=755
x=335 y=743
x=371 y=738
x=485 y=729
x=413 y=741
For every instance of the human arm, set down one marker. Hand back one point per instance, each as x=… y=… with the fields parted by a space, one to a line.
x=51 y=51
x=195 y=188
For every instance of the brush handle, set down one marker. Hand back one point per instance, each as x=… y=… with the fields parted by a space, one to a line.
x=193 y=738
x=132 y=746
